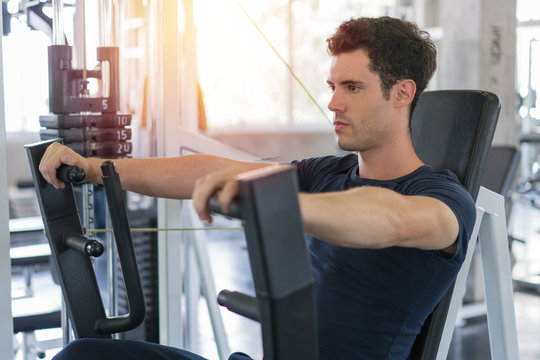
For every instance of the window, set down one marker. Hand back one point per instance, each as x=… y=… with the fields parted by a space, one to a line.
x=25 y=66
x=243 y=80
x=528 y=10
x=25 y=77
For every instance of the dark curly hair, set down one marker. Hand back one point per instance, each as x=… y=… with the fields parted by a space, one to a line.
x=397 y=50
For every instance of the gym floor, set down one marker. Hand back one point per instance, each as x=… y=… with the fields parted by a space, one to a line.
x=227 y=251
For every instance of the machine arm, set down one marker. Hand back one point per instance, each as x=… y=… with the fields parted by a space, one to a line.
x=71 y=251
x=284 y=303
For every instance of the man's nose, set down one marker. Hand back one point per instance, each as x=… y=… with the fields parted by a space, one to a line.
x=335 y=104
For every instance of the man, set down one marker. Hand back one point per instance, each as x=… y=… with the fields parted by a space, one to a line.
x=387 y=234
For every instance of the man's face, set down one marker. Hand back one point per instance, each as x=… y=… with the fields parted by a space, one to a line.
x=361 y=120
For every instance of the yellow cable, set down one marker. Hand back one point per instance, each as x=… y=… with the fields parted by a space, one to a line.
x=164 y=229
x=284 y=62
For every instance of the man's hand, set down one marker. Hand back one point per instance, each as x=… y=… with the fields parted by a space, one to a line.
x=222 y=182
x=56 y=155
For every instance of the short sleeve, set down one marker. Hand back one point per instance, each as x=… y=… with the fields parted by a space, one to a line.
x=446 y=188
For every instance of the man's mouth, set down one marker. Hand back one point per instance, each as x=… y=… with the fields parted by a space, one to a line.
x=339 y=125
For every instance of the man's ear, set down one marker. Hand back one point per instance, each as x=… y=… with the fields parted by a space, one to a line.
x=404 y=92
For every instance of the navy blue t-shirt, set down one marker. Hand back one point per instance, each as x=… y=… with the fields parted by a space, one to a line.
x=371 y=303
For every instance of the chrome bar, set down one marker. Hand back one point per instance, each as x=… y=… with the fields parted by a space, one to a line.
x=58 y=22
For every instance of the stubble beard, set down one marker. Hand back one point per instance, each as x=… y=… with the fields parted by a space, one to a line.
x=358 y=140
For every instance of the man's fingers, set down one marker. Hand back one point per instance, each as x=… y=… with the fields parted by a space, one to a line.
x=227 y=194
x=48 y=165
x=201 y=195
x=206 y=187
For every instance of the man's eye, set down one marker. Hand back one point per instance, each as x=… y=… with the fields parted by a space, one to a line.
x=332 y=88
x=354 y=88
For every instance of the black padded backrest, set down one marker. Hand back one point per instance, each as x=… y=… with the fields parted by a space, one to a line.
x=452 y=129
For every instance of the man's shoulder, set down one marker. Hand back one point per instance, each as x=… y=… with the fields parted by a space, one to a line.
x=318 y=173
x=437 y=183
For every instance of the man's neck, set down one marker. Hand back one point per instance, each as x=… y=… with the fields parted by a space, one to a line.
x=389 y=163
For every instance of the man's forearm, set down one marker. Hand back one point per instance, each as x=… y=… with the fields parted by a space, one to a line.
x=173 y=177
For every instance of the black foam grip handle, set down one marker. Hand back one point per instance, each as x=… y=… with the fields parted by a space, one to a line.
x=71 y=174
x=83 y=244
x=234 y=208
x=239 y=303
x=126 y=254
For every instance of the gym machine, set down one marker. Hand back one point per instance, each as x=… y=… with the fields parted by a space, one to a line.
x=88 y=120
x=268 y=207
x=72 y=251
x=90 y=125
x=284 y=302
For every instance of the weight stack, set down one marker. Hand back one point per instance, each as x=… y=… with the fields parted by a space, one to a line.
x=91 y=135
x=90 y=125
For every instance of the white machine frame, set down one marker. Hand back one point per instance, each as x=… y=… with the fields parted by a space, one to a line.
x=6 y=322
x=491 y=234
x=186 y=259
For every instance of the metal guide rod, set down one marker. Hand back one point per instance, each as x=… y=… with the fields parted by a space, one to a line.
x=105 y=39
x=111 y=266
x=58 y=22
x=85 y=93
x=105 y=23
x=88 y=206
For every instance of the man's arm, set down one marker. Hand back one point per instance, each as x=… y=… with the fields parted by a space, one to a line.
x=372 y=217
x=173 y=177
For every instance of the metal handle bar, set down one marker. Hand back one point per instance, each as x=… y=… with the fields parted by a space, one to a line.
x=126 y=254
